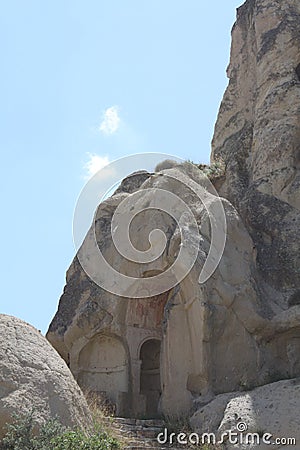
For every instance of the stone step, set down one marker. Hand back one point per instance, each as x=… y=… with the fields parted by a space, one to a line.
x=120 y=420
x=138 y=433
x=148 y=432
x=146 y=444
x=143 y=443
x=142 y=447
x=139 y=422
x=150 y=423
x=135 y=446
x=124 y=427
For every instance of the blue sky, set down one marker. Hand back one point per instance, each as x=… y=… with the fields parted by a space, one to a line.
x=84 y=83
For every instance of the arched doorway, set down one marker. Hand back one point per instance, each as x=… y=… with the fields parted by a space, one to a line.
x=103 y=369
x=150 y=385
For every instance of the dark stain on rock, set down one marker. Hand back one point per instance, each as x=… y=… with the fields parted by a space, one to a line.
x=295 y=298
x=297 y=70
x=268 y=40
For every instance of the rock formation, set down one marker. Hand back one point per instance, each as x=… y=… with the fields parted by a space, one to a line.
x=257 y=134
x=267 y=410
x=34 y=377
x=157 y=354
x=175 y=351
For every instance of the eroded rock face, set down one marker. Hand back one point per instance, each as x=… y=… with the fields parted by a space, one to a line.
x=34 y=377
x=157 y=354
x=163 y=353
x=178 y=350
x=257 y=134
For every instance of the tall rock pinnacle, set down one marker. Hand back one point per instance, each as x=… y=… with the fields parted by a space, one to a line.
x=257 y=133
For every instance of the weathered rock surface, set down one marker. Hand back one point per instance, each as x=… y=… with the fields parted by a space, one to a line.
x=178 y=350
x=33 y=376
x=257 y=134
x=273 y=409
x=200 y=340
x=197 y=335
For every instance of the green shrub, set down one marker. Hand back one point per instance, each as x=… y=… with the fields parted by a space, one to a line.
x=52 y=435
x=78 y=440
x=213 y=171
x=20 y=433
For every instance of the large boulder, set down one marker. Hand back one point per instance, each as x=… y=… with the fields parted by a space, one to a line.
x=34 y=377
x=272 y=409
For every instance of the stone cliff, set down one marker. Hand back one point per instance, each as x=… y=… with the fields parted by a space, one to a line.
x=173 y=351
x=257 y=134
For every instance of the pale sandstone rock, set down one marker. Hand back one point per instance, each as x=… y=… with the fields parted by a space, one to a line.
x=273 y=409
x=240 y=329
x=203 y=340
x=257 y=135
x=202 y=332
x=33 y=376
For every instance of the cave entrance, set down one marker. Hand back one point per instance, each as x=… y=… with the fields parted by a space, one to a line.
x=150 y=385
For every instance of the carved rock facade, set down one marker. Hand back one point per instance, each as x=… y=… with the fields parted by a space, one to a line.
x=176 y=351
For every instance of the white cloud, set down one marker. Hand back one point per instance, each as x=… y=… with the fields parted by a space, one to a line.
x=94 y=164
x=111 y=121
